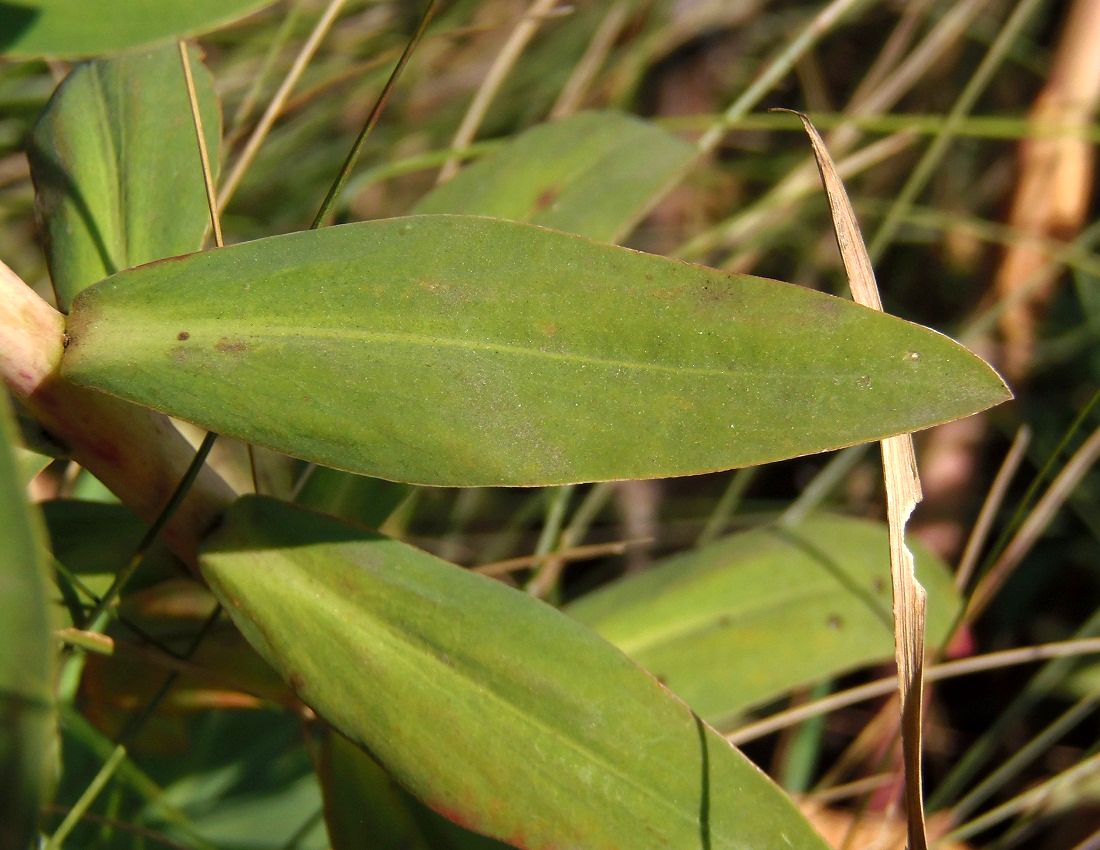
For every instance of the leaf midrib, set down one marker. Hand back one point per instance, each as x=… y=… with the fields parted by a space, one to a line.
x=381 y=338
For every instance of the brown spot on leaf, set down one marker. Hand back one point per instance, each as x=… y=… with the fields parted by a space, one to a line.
x=829 y=306
x=297 y=681
x=546 y=198
x=720 y=293
x=183 y=336
x=446 y=292
x=231 y=346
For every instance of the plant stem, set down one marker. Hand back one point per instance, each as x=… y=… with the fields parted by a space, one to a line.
x=372 y=118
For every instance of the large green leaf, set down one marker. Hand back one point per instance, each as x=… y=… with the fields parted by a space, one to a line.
x=595 y=174
x=69 y=28
x=27 y=729
x=750 y=617
x=495 y=709
x=116 y=168
x=470 y=351
x=357 y=498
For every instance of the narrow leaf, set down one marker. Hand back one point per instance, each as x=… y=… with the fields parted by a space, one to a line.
x=468 y=351
x=495 y=709
x=750 y=617
x=73 y=28
x=117 y=175
x=27 y=725
x=596 y=174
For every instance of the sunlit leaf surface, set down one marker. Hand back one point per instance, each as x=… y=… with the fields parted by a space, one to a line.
x=595 y=174
x=469 y=351
x=118 y=181
x=72 y=28
x=495 y=709
x=752 y=616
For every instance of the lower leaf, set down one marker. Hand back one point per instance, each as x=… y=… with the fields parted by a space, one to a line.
x=496 y=710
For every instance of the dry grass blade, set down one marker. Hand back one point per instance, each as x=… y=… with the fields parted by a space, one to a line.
x=936 y=673
x=902 y=494
x=517 y=42
x=993 y=501
x=575 y=553
x=274 y=109
x=1035 y=524
x=572 y=95
x=200 y=141
x=1036 y=800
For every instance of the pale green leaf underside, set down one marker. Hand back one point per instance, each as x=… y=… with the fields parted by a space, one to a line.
x=594 y=174
x=748 y=618
x=118 y=181
x=71 y=28
x=467 y=351
x=495 y=709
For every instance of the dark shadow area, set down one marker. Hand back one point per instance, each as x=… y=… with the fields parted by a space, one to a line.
x=48 y=173
x=704 y=783
x=263 y=522
x=14 y=21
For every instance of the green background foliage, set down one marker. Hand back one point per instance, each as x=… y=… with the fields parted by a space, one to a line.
x=361 y=686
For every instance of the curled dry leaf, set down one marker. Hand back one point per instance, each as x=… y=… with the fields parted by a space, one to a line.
x=902 y=495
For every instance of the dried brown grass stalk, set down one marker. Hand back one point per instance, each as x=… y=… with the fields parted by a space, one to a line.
x=902 y=494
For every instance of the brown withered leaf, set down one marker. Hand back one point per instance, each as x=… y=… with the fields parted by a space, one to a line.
x=903 y=491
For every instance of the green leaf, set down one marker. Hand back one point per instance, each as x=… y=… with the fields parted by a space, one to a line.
x=750 y=617
x=27 y=723
x=493 y=708
x=72 y=28
x=116 y=169
x=367 y=501
x=214 y=781
x=29 y=463
x=94 y=540
x=467 y=351
x=364 y=807
x=596 y=174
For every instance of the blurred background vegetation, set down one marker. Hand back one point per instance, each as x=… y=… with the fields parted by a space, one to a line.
x=966 y=133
